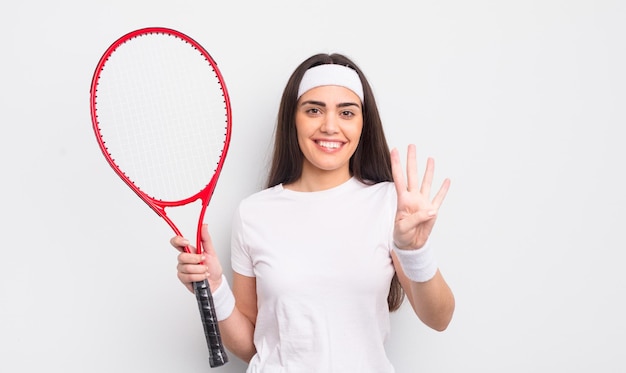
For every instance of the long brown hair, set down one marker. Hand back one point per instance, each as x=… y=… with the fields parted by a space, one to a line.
x=370 y=163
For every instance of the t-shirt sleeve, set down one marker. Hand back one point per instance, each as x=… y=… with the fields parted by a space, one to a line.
x=241 y=261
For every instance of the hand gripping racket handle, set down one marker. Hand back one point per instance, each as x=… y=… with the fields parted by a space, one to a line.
x=217 y=354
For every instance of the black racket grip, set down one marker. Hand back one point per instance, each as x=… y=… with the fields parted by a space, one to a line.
x=217 y=354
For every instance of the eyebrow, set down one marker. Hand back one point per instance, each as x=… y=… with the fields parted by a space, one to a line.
x=323 y=104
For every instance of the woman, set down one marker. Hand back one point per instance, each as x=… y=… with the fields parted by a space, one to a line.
x=334 y=243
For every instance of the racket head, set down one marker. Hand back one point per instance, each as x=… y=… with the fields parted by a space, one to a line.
x=161 y=114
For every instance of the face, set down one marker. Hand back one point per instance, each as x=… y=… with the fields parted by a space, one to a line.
x=329 y=121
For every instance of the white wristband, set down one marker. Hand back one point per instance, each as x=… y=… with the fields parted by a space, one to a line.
x=223 y=300
x=419 y=265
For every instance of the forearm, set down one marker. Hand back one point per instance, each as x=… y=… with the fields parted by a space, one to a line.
x=237 y=333
x=237 y=315
x=429 y=294
x=432 y=301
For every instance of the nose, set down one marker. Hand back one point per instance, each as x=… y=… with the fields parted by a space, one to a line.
x=330 y=124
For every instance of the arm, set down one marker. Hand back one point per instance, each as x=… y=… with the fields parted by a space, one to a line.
x=237 y=329
x=431 y=298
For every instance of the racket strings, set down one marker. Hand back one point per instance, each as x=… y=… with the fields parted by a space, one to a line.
x=162 y=115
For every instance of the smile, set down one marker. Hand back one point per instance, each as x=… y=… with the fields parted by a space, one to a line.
x=330 y=144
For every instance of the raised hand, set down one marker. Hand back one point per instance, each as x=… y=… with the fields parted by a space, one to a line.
x=416 y=212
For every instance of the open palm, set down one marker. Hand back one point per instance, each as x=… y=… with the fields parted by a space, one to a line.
x=416 y=212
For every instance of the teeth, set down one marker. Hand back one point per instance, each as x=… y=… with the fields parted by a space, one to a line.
x=329 y=144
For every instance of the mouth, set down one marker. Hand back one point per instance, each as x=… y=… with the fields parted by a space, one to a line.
x=331 y=145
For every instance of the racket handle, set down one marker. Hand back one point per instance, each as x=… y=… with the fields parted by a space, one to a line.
x=217 y=354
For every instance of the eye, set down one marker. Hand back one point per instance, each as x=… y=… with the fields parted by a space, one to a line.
x=347 y=113
x=313 y=110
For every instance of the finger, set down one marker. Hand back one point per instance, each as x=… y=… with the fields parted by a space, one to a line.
x=206 y=241
x=187 y=279
x=396 y=172
x=414 y=220
x=441 y=194
x=180 y=243
x=190 y=258
x=192 y=269
x=427 y=181
x=411 y=168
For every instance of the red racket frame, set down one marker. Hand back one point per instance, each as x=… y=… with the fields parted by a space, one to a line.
x=156 y=205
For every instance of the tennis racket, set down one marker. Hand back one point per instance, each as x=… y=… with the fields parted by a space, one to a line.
x=161 y=114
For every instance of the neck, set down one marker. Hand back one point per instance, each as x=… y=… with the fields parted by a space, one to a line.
x=315 y=180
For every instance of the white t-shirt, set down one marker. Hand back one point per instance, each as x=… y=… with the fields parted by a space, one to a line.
x=323 y=269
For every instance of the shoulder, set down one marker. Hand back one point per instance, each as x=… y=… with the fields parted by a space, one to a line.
x=382 y=195
x=383 y=188
x=260 y=199
x=264 y=194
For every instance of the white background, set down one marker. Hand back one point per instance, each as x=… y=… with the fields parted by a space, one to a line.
x=521 y=103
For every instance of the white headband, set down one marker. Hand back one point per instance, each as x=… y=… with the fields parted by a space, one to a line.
x=331 y=74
